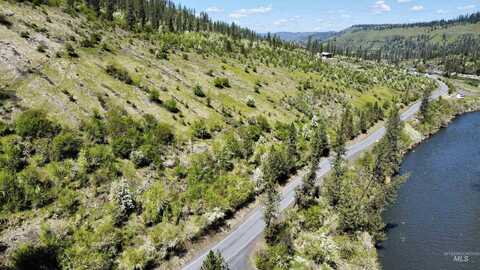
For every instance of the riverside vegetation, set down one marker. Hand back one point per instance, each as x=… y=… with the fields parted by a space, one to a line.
x=128 y=135
x=338 y=226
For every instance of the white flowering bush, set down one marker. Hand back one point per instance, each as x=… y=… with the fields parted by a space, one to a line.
x=122 y=197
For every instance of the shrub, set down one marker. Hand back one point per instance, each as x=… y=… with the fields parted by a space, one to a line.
x=154 y=96
x=250 y=101
x=171 y=106
x=9 y=193
x=34 y=123
x=94 y=249
x=95 y=157
x=34 y=188
x=67 y=202
x=155 y=204
x=200 y=130
x=95 y=130
x=122 y=197
x=221 y=82
x=140 y=159
x=25 y=34
x=70 y=50
x=123 y=146
x=119 y=73
x=136 y=258
x=13 y=157
x=160 y=134
x=42 y=48
x=197 y=90
x=262 y=122
x=5 y=21
x=28 y=257
x=66 y=145
x=93 y=40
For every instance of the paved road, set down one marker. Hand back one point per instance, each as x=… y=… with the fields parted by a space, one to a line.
x=237 y=246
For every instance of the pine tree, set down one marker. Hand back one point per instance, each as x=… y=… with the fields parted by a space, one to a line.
x=214 y=261
x=130 y=15
x=347 y=124
x=425 y=106
x=271 y=204
x=389 y=149
x=319 y=143
x=142 y=16
x=110 y=8
x=363 y=122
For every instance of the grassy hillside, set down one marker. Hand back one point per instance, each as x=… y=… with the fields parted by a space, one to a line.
x=120 y=149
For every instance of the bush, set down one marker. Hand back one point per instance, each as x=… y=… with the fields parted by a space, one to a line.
x=122 y=197
x=123 y=146
x=250 y=101
x=221 y=82
x=66 y=145
x=28 y=257
x=67 y=203
x=119 y=73
x=42 y=48
x=4 y=21
x=94 y=249
x=95 y=157
x=70 y=50
x=155 y=204
x=200 y=130
x=262 y=122
x=9 y=192
x=197 y=90
x=13 y=157
x=34 y=189
x=160 y=134
x=154 y=96
x=93 y=40
x=34 y=123
x=171 y=106
x=136 y=258
x=140 y=159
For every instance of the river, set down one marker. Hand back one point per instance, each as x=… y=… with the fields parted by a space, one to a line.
x=435 y=221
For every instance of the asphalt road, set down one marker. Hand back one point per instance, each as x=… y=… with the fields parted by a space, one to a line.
x=237 y=246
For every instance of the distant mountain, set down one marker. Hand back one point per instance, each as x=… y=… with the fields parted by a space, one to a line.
x=302 y=37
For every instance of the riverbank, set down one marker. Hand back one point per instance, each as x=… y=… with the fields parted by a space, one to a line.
x=344 y=236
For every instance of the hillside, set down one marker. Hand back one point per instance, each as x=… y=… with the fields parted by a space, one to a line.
x=303 y=37
x=122 y=144
x=454 y=43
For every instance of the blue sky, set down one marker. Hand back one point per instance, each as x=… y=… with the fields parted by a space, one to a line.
x=325 y=15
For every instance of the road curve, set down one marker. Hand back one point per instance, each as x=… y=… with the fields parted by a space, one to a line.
x=234 y=247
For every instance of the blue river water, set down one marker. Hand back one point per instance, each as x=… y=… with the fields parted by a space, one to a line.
x=435 y=221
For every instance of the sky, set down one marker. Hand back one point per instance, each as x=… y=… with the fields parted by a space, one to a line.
x=328 y=15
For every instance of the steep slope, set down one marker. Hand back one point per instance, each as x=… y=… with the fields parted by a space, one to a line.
x=121 y=149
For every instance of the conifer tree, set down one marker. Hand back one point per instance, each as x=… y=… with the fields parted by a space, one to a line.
x=214 y=261
x=425 y=106
x=389 y=149
x=130 y=15
x=110 y=7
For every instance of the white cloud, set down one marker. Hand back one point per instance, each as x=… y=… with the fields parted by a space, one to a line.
x=404 y=1
x=468 y=7
x=417 y=8
x=214 y=9
x=244 y=12
x=441 y=11
x=380 y=7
